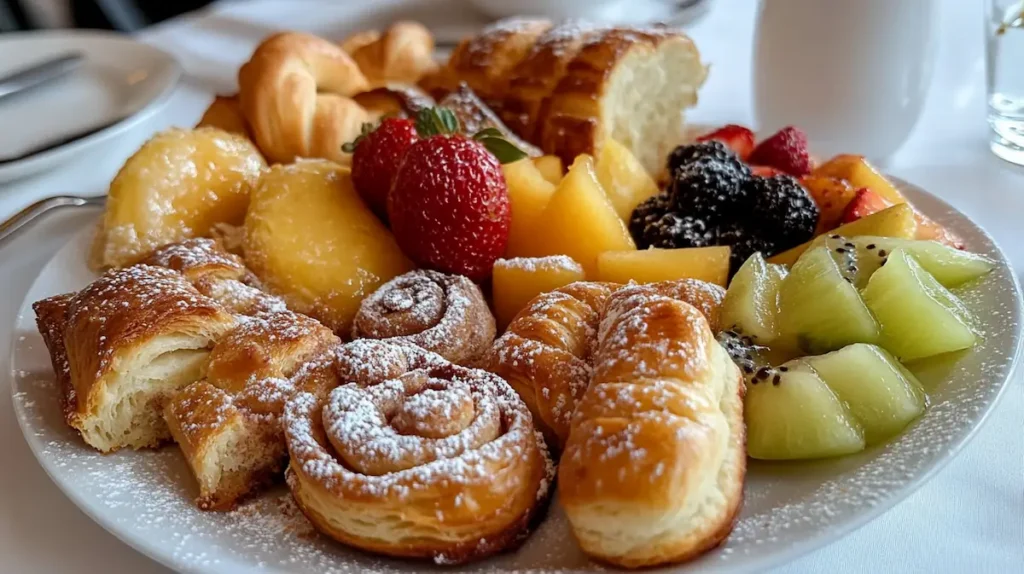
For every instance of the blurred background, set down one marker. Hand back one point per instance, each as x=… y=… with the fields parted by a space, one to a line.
x=124 y=15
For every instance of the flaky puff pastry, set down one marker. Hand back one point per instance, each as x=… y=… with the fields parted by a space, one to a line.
x=228 y=424
x=653 y=469
x=445 y=314
x=418 y=458
x=225 y=113
x=544 y=353
x=296 y=94
x=132 y=338
x=403 y=53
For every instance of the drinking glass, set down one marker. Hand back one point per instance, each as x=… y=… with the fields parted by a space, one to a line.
x=1004 y=59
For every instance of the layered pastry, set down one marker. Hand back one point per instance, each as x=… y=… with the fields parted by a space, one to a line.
x=445 y=314
x=653 y=469
x=545 y=353
x=228 y=424
x=131 y=339
x=569 y=87
x=401 y=54
x=417 y=457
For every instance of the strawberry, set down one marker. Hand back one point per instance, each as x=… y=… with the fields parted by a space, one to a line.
x=864 y=203
x=765 y=171
x=376 y=155
x=449 y=206
x=737 y=138
x=786 y=150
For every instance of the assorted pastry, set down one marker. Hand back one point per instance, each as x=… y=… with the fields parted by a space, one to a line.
x=418 y=293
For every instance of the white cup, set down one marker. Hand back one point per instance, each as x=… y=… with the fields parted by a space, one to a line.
x=852 y=73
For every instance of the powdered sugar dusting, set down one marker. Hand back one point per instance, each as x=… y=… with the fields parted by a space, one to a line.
x=549 y=263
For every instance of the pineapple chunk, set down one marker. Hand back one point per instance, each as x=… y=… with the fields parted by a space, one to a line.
x=179 y=184
x=528 y=193
x=856 y=170
x=624 y=179
x=579 y=221
x=517 y=281
x=550 y=166
x=709 y=264
x=831 y=195
x=896 y=221
x=311 y=239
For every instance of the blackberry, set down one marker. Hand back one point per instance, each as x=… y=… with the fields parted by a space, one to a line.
x=785 y=208
x=710 y=190
x=744 y=240
x=707 y=150
x=648 y=212
x=671 y=231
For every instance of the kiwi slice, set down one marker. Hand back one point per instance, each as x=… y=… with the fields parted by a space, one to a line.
x=820 y=309
x=860 y=257
x=919 y=317
x=752 y=301
x=879 y=392
x=792 y=414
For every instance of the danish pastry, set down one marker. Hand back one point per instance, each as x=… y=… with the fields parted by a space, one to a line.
x=228 y=424
x=446 y=314
x=132 y=338
x=418 y=457
x=653 y=469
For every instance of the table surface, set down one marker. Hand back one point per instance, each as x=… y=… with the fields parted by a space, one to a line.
x=969 y=517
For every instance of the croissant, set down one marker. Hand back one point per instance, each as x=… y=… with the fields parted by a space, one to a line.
x=544 y=353
x=225 y=113
x=129 y=340
x=568 y=87
x=403 y=53
x=652 y=472
x=296 y=94
x=445 y=314
x=416 y=457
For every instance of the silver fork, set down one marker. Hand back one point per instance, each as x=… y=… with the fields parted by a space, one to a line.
x=19 y=220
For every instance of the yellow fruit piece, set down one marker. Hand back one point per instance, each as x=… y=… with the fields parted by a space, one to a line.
x=831 y=195
x=579 y=221
x=709 y=264
x=312 y=240
x=528 y=194
x=178 y=185
x=517 y=281
x=895 y=221
x=623 y=178
x=550 y=167
x=856 y=170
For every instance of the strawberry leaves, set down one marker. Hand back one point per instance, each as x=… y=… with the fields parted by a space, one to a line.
x=365 y=130
x=496 y=143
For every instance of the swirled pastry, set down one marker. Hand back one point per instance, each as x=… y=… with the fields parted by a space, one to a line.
x=228 y=424
x=132 y=338
x=653 y=469
x=437 y=462
x=545 y=353
x=446 y=314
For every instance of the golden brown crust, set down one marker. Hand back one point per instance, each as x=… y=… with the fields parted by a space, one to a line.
x=51 y=319
x=394 y=100
x=295 y=93
x=545 y=353
x=390 y=461
x=225 y=113
x=474 y=115
x=403 y=53
x=485 y=61
x=444 y=314
x=663 y=410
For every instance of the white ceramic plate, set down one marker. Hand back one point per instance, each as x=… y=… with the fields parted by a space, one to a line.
x=145 y=498
x=121 y=83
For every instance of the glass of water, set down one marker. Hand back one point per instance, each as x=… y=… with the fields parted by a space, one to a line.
x=1004 y=52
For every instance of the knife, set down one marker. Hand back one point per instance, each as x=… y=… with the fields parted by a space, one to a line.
x=37 y=74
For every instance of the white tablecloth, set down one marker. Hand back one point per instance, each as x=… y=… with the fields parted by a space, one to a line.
x=970 y=517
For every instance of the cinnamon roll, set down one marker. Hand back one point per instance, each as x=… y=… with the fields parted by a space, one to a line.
x=439 y=461
x=445 y=314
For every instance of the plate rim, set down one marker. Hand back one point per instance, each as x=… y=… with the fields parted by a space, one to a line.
x=37 y=162
x=823 y=537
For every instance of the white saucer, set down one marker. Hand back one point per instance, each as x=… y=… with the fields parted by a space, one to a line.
x=120 y=83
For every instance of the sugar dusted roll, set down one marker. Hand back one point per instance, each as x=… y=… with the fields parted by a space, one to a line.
x=653 y=469
x=419 y=458
x=445 y=314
